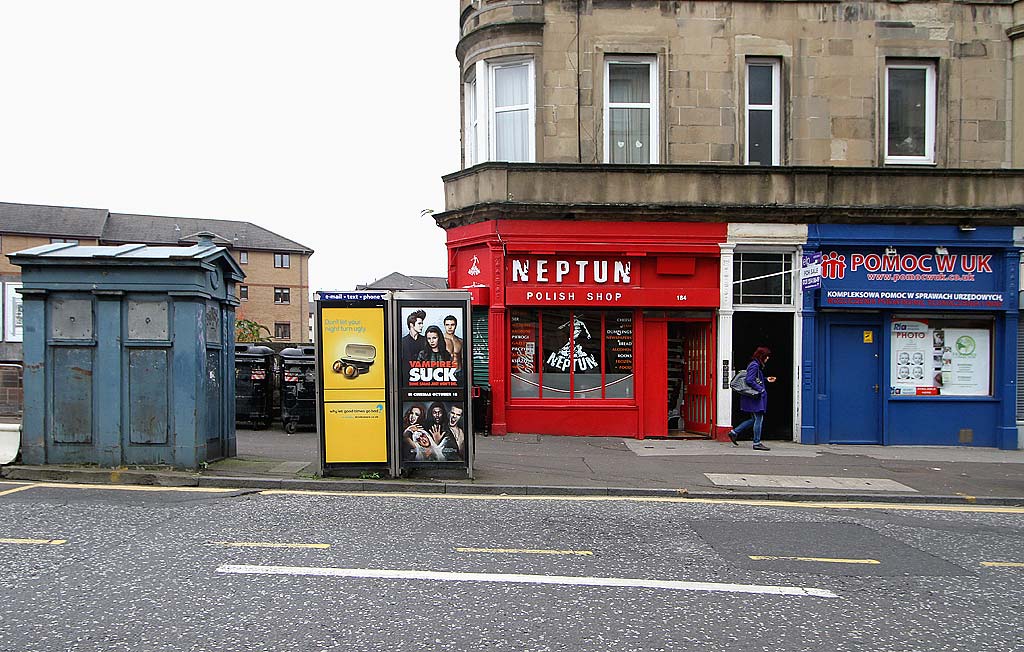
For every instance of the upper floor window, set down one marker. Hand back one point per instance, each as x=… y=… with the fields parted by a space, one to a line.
x=472 y=122
x=243 y=257
x=282 y=295
x=63 y=240
x=764 y=113
x=243 y=292
x=500 y=113
x=282 y=330
x=631 y=110
x=512 y=111
x=282 y=260
x=762 y=278
x=910 y=112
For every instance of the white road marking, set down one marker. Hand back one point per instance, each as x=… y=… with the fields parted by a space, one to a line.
x=268 y=544
x=437 y=576
x=526 y=551
x=1003 y=564
x=805 y=482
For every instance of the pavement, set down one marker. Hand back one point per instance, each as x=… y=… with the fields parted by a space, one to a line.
x=529 y=464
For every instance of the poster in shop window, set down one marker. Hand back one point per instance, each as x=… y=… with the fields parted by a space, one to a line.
x=433 y=383
x=935 y=360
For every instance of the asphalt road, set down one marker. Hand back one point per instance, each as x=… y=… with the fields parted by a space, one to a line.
x=101 y=568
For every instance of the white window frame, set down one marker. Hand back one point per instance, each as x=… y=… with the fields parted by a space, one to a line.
x=492 y=111
x=929 y=117
x=785 y=256
x=652 y=62
x=472 y=126
x=243 y=257
x=775 y=107
x=481 y=144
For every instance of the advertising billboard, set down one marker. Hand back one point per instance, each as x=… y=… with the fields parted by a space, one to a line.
x=352 y=369
x=433 y=381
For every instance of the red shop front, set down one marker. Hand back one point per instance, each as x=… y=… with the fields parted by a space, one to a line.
x=594 y=328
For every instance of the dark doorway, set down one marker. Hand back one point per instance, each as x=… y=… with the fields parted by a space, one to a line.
x=774 y=330
x=690 y=371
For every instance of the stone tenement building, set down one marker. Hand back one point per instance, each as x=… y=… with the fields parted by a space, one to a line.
x=650 y=190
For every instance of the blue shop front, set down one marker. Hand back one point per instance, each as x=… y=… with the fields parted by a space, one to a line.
x=911 y=338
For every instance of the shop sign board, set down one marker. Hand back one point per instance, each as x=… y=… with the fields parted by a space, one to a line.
x=915 y=278
x=352 y=364
x=434 y=372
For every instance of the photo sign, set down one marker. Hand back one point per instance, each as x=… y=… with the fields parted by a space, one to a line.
x=937 y=360
x=433 y=382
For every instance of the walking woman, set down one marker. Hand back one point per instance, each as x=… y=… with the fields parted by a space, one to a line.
x=755 y=405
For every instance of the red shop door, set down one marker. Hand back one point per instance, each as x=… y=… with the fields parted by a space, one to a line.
x=699 y=373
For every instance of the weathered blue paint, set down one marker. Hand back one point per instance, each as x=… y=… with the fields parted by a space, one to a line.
x=977 y=277
x=124 y=350
x=147 y=396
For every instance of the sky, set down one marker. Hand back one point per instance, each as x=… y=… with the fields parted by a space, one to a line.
x=329 y=122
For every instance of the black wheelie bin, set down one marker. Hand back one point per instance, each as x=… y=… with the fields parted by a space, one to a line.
x=254 y=389
x=298 y=387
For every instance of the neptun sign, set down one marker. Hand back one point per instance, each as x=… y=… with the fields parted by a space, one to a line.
x=600 y=281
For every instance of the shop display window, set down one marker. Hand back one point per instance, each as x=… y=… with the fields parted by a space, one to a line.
x=939 y=356
x=571 y=354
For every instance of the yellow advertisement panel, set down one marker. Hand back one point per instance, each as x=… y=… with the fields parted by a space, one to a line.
x=355 y=432
x=354 y=373
x=353 y=346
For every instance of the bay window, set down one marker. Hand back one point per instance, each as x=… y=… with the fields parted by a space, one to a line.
x=500 y=113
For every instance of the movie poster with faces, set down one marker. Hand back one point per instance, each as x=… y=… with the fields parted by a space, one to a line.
x=433 y=383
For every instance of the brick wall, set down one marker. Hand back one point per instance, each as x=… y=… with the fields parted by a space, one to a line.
x=261 y=277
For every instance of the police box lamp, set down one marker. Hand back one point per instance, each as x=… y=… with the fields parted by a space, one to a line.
x=967 y=226
x=357 y=360
x=890 y=251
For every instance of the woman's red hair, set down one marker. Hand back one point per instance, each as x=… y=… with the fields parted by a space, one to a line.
x=761 y=354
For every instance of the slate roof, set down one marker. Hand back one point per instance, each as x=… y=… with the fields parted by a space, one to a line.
x=399 y=281
x=152 y=229
x=58 y=221
x=116 y=228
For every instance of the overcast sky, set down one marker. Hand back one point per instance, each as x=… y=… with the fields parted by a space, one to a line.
x=329 y=122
